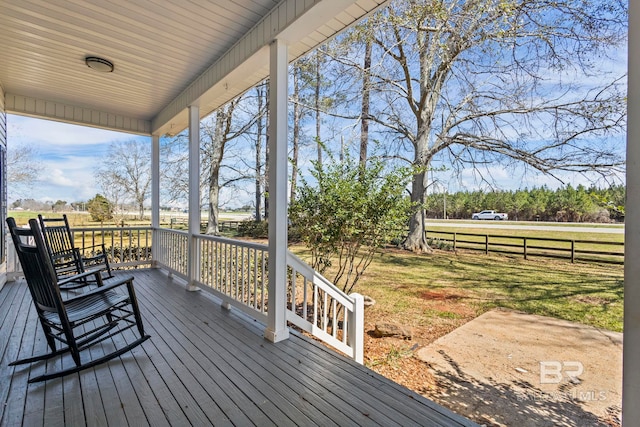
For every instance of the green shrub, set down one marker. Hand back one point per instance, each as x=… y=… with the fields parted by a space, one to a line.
x=347 y=213
x=254 y=229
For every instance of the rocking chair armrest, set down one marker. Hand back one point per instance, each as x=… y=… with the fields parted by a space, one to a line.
x=102 y=289
x=76 y=277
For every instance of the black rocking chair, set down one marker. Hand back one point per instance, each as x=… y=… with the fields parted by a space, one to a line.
x=78 y=322
x=68 y=261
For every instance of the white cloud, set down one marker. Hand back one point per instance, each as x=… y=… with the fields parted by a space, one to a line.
x=69 y=156
x=57 y=177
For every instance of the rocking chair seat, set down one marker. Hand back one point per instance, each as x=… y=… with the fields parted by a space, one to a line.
x=85 y=306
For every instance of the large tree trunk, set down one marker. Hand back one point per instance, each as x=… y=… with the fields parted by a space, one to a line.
x=259 y=177
x=366 y=89
x=416 y=240
x=266 y=176
x=213 y=224
x=296 y=131
x=223 y=116
x=430 y=93
x=317 y=106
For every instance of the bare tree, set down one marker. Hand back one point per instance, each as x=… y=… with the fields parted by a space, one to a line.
x=225 y=140
x=174 y=167
x=295 y=137
x=366 y=102
x=23 y=168
x=223 y=128
x=126 y=170
x=480 y=82
x=319 y=59
x=259 y=176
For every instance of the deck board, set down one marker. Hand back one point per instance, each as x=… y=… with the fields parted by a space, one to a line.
x=204 y=365
x=279 y=409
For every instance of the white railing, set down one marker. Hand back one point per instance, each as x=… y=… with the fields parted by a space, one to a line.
x=125 y=246
x=317 y=306
x=172 y=251
x=236 y=272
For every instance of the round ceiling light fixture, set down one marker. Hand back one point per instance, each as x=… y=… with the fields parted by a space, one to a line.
x=99 y=64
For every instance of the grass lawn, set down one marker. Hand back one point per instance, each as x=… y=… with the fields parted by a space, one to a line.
x=453 y=222
x=443 y=290
x=575 y=235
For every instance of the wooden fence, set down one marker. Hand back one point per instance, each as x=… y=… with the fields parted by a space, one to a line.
x=183 y=223
x=569 y=249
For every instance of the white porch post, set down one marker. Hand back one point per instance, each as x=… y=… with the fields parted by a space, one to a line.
x=155 y=181
x=155 y=194
x=194 y=195
x=631 y=345
x=277 y=317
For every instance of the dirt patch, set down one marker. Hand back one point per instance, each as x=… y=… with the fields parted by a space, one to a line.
x=439 y=296
x=593 y=300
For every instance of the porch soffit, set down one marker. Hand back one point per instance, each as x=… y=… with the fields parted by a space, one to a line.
x=168 y=54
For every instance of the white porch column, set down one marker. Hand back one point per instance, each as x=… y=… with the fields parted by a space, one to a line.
x=277 y=317
x=194 y=195
x=631 y=345
x=155 y=193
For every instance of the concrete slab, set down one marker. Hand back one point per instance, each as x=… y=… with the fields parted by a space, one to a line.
x=510 y=368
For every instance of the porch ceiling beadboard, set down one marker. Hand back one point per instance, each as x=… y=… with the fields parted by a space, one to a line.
x=168 y=54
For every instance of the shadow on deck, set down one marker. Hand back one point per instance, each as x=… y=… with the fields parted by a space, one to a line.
x=203 y=365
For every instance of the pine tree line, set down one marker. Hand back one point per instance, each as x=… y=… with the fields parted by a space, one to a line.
x=566 y=204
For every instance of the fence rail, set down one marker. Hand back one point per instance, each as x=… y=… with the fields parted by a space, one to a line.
x=568 y=249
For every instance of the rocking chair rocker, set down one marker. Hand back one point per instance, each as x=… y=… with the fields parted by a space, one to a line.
x=68 y=261
x=78 y=322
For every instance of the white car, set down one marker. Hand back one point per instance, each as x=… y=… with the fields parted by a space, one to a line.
x=498 y=216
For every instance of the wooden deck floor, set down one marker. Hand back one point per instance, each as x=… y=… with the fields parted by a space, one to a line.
x=203 y=365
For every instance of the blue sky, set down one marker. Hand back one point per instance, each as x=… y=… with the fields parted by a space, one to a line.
x=69 y=155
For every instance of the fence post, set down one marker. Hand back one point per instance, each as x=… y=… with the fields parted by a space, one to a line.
x=486 y=244
x=524 y=247
x=355 y=325
x=455 y=241
x=573 y=251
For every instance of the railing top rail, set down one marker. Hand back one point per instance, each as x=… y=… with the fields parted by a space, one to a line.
x=171 y=230
x=111 y=228
x=243 y=243
x=331 y=289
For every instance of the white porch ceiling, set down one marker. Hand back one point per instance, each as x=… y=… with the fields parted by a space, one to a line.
x=168 y=54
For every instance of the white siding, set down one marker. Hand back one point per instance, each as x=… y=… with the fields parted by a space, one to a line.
x=73 y=114
x=3 y=188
